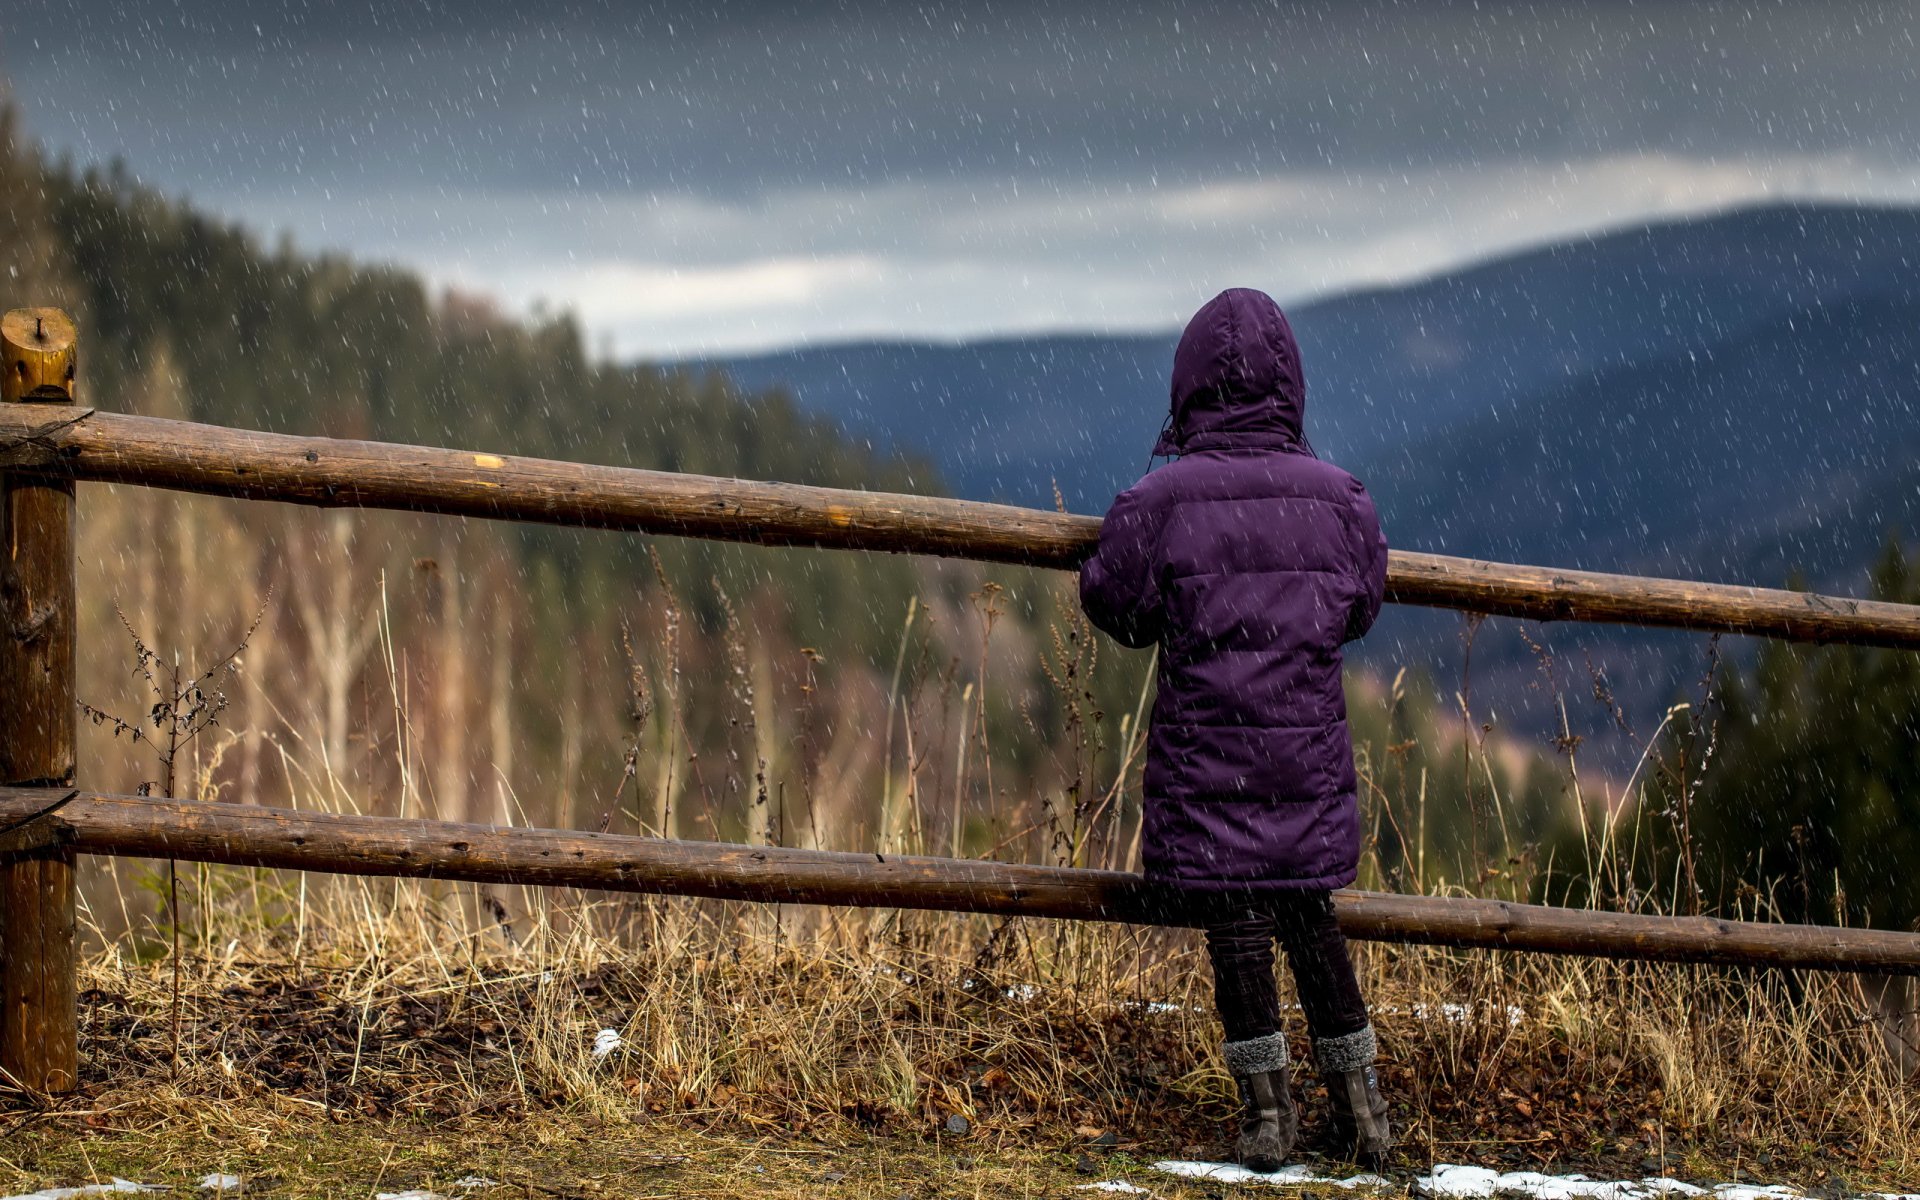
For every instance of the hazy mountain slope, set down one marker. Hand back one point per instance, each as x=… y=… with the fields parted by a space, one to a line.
x=1778 y=448
x=1005 y=419
x=1413 y=360
x=1387 y=369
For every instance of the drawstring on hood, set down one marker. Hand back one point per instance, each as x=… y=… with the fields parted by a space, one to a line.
x=1161 y=442
x=1236 y=382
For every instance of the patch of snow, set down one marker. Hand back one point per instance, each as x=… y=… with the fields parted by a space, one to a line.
x=1161 y=1008
x=1480 y=1183
x=117 y=1186
x=1285 y=1176
x=1463 y=1014
x=471 y=1183
x=606 y=1042
x=1113 y=1185
x=1452 y=1182
x=223 y=1184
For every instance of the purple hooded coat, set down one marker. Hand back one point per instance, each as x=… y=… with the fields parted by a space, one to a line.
x=1250 y=562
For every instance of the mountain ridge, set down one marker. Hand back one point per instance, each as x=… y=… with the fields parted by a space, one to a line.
x=1390 y=370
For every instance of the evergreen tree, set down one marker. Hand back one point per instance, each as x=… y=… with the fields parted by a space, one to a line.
x=1813 y=795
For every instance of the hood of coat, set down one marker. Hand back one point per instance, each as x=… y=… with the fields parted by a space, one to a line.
x=1236 y=379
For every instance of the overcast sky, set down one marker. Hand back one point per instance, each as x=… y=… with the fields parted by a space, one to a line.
x=735 y=176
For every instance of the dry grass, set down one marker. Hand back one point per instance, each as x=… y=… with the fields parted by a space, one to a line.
x=563 y=1155
x=348 y=1036
x=452 y=1028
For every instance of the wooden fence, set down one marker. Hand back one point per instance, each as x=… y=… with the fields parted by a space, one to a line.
x=48 y=444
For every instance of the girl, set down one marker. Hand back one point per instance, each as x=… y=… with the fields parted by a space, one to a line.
x=1251 y=562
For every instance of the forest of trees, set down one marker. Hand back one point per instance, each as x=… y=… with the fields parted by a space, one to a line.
x=508 y=672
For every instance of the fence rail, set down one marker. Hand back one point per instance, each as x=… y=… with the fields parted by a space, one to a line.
x=47 y=445
x=249 y=835
x=82 y=444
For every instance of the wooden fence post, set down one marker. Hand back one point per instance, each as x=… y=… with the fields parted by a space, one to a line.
x=39 y=1034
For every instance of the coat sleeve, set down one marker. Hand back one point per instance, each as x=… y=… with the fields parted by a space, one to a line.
x=1370 y=564
x=1119 y=587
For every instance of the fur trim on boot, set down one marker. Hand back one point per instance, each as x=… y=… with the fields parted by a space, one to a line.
x=1256 y=1055
x=1347 y=1052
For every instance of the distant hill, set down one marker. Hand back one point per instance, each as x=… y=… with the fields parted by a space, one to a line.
x=1792 y=445
x=1387 y=369
x=1733 y=398
x=1004 y=419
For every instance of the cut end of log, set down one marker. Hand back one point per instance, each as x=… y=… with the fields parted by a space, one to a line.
x=39 y=356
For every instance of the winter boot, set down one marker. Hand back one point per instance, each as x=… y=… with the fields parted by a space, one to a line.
x=1271 y=1123
x=1359 y=1112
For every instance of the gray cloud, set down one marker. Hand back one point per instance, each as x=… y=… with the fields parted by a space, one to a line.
x=737 y=100
x=933 y=166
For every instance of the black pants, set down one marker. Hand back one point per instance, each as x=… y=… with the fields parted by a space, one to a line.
x=1240 y=938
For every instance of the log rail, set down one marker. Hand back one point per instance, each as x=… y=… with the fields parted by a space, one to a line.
x=248 y=835
x=81 y=444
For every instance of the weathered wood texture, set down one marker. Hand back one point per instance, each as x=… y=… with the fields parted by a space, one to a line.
x=39 y=1032
x=331 y=473
x=39 y=356
x=356 y=845
x=38 y=1036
